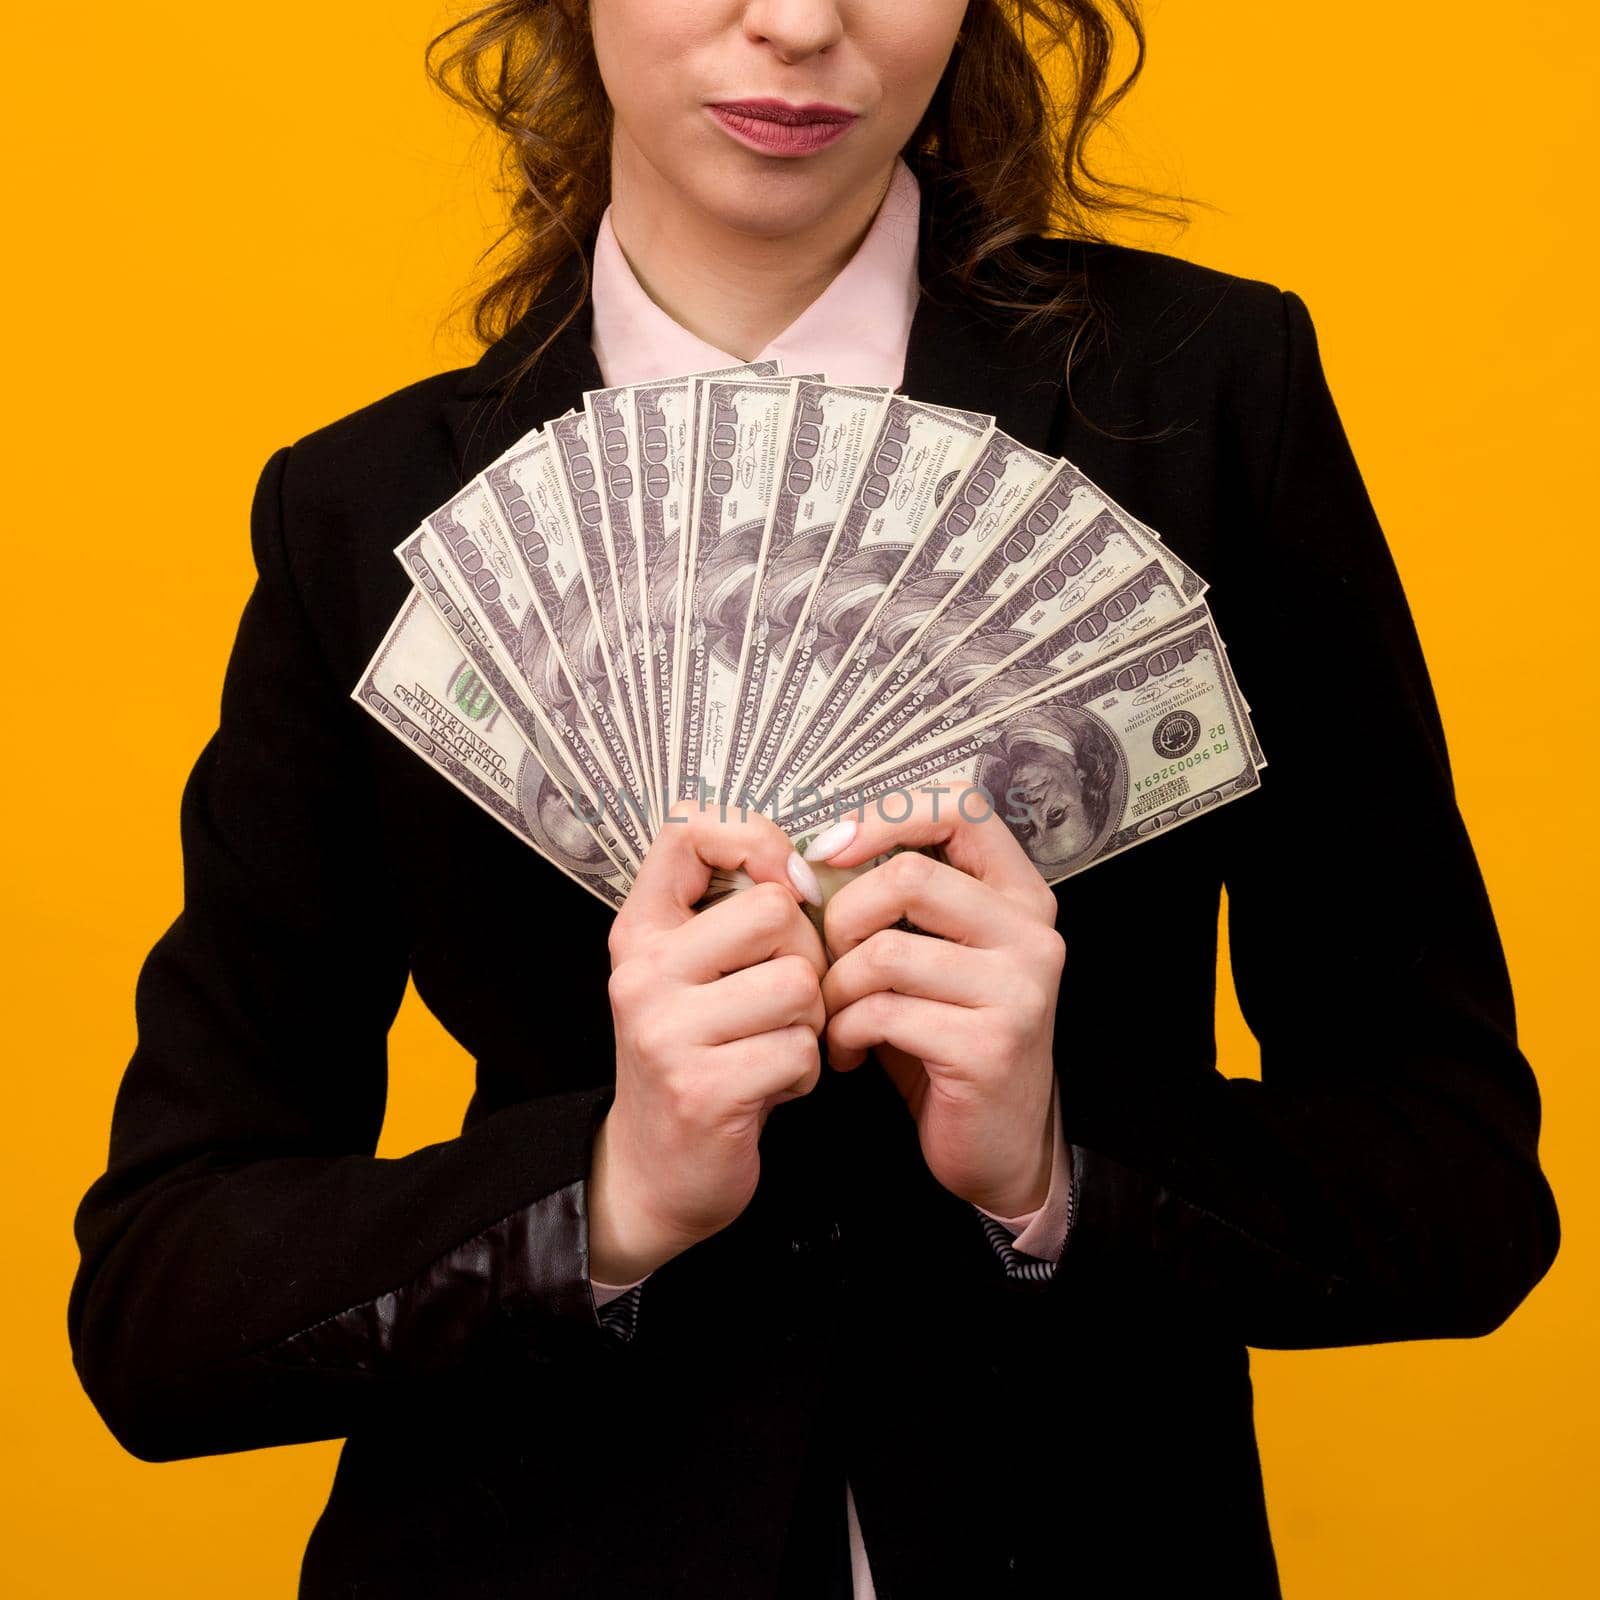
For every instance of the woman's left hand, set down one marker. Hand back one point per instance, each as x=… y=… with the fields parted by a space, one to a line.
x=964 y=1022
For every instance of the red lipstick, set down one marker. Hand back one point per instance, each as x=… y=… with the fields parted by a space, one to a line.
x=777 y=128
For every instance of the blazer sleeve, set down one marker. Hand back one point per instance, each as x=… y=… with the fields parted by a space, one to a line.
x=1381 y=1180
x=250 y=1272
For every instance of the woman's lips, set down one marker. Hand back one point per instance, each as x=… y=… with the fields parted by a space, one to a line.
x=777 y=129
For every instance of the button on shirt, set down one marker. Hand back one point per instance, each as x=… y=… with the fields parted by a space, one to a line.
x=856 y=332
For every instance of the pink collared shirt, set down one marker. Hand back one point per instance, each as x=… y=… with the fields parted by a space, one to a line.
x=856 y=332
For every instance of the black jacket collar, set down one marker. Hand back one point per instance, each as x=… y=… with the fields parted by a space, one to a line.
x=959 y=354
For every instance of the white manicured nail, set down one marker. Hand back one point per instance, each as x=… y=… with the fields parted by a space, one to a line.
x=831 y=840
x=804 y=879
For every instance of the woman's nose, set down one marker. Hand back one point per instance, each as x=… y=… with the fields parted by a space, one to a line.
x=794 y=29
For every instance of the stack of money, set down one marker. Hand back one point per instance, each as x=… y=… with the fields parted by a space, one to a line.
x=780 y=594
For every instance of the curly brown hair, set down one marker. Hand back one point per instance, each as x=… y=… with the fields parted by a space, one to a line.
x=1001 y=157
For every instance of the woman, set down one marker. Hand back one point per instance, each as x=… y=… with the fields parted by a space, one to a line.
x=997 y=1344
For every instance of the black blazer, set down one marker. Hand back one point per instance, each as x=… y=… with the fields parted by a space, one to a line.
x=251 y=1275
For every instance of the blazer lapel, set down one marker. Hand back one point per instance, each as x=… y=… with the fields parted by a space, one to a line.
x=958 y=355
x=487 y=413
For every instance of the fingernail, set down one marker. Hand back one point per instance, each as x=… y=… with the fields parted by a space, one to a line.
x=831 y=840
x=804 y=879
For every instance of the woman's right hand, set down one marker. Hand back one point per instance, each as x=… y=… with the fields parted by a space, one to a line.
x=717 y=1015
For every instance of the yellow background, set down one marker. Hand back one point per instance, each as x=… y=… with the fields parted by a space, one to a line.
x=233 y=225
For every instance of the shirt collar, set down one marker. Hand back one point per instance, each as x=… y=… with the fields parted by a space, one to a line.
x=856 y=331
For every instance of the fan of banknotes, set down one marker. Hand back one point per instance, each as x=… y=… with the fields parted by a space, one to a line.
x=801 y=598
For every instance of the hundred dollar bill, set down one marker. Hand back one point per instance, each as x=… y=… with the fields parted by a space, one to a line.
x=1060 y=633
x=578 y=477
x=1082 y=769
x=424 y=690
x=917 y=454
x=685 y=513
x=830 y=427
x=1105 y=580
x=1020 y=682
x=471 y=548
x=1069 y=538
x=641 y=430
x=742 y=422
x=606 y=411
x=613 y=818
x=988 y=497
x=565 y=661
x=1062 y=504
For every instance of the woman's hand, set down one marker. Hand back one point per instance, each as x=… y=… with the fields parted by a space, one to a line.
x=717 y=1016
x=963 y=1023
